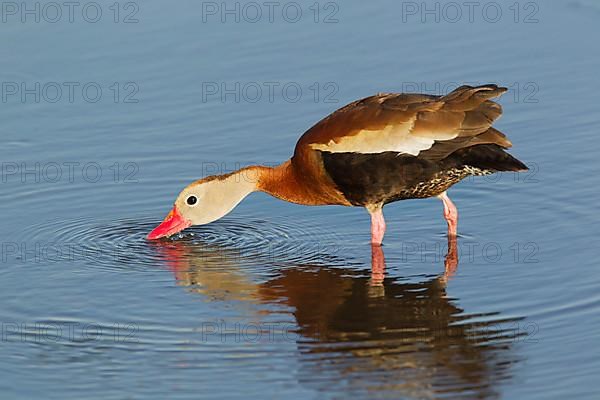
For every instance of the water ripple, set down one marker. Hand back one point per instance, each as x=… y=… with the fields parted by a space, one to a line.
x=122 y=244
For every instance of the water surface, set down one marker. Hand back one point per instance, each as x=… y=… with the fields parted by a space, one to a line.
x=277 y=299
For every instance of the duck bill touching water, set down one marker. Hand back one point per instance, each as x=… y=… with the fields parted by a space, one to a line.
x=372 y=152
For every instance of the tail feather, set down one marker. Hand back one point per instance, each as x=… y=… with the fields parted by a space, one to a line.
x=490 y=157
x=467 y=98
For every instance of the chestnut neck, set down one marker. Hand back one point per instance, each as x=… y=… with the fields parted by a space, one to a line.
x=281 y=181
x=285 y=182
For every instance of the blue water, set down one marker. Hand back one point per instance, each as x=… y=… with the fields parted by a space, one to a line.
x=102 y=123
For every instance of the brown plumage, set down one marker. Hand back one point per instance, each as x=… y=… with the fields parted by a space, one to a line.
x=381 y=149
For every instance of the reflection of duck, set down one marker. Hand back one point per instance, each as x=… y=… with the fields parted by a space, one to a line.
x=208 y=270
x=369 y=333
x=404 y=336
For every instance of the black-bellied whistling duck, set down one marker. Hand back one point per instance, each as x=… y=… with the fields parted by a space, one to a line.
x=374 y=151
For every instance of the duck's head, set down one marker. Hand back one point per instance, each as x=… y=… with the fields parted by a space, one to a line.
x=204 y=201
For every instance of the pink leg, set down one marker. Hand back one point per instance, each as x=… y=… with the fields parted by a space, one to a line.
x=450 y=213
x=377 y=225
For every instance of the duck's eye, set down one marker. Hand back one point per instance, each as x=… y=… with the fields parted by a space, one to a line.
x=191 y=200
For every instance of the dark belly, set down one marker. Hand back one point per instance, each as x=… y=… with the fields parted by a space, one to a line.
x=387 y=177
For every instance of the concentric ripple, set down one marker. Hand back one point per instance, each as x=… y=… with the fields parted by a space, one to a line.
x=122 y=244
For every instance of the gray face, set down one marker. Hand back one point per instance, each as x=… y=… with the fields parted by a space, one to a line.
x=205 y=202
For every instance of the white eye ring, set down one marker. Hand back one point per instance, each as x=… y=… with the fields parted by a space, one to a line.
x=191 y=200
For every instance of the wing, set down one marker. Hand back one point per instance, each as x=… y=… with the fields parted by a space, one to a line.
x=411 y=124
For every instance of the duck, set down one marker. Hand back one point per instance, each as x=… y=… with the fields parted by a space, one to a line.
x=369 y=153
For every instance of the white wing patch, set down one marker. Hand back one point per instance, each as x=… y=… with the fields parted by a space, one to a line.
x=397 y=138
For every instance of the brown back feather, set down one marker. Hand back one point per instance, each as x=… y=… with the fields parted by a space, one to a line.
x=467 y=112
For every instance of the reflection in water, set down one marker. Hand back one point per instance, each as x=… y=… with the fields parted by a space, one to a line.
x=367 y=334
x=210 y=271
